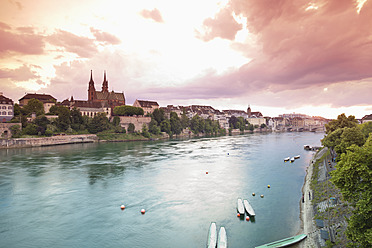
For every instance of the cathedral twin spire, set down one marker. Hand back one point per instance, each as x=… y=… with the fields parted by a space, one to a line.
x=91 y=88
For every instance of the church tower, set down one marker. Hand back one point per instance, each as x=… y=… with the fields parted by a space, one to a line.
x=105 y=83
x=249 y=111
x=91 y=90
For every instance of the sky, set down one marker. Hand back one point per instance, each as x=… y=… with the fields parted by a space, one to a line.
x=282 y=56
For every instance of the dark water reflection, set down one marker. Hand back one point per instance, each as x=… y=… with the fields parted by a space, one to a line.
x=70 y=196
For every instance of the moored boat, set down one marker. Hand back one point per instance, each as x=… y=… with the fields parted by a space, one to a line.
x=297 y=157
x=222 y=238
x=284 y=242
x=292 y=159
x=249 y=208
x=286 y=159
x=212 y=235
x=240 y=207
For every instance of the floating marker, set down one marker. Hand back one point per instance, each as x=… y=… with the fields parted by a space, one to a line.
x=262 y=196
x=238 y=215
x=253 y=194
x=247 y=218
x=122 y=207
x=268 y=186
x=143 y=211
x=206 y=172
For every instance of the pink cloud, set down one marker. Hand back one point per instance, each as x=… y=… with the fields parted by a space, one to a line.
x=105 y=37
x=23 y=43
x=223 y=26
x=152 y=14
x=23 y=73
x=296 y=49
x=82 y=46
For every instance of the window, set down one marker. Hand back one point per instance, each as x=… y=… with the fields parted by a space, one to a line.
x=10 y=113
x=4 y=113
x=10 y=107
x=4 y=107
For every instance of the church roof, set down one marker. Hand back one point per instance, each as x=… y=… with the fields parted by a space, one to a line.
x=110 y=96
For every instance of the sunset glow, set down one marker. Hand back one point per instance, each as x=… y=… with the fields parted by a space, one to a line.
x=310 y=57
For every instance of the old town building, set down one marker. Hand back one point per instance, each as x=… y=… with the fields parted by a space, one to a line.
x=6 y=108
x=47 y=100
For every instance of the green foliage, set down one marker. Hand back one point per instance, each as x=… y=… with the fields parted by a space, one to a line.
x=158 y=115
x=175 y=122
x=185 y=122
x=116 y=121
x=41 y=122
x=350 y=136
x=126 y=110
x=77 y=121
x=30 y=129
x=145 y=131
x=197 y=124
x=131 y=128
x=99 y=123
x=366 y=128
x=233 y=122
x=353 y=177
x=153 y=127
x=53 y=110
x=16 y=110
x=166 y=126
x=63 y=121
x=263 y=125
x=33 y=106
x=16 y=131
x=341 y=122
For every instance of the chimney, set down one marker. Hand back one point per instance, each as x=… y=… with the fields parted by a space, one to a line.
x=1 y=93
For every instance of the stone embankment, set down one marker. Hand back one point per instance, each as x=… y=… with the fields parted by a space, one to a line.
x=47 y=141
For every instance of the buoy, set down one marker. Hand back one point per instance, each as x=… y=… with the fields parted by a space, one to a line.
x=268 y=186
x=253 y=194
x=261 y=196
x=206 y=172
x=122 y=207
x=143 y=211
x=247 y=219
x=228 y=153
x=238 y=215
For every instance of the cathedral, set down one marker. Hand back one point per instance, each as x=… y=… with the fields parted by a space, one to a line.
x=98 y=101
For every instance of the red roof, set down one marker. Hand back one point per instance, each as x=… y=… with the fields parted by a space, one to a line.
x=41 y=97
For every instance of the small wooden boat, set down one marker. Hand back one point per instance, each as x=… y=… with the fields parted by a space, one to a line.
x=286 y=159
x=249 y=208
x=292 y=159
x=222 y=238
x=212 y=235
x=284 y=242
x=297 y=157
x=240 y=207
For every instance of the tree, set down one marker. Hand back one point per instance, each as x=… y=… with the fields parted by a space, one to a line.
x=126 y=110
x=53 y=110
x=185 y=122
x=34 y=106
x=145 y=131
x=241 y=124
x=153 y=127
x=353 y=176
x=366 y=128
x=16 y=110
x=77 y=121
x=340 y=122
x=116 y=121
x=349 y=136
x=30 y=129
x=233 y=122
x=158 y=115
x=64 y=118
x=41 y=122
x=166 y=127
x=197 y=124
x=99 y=123
x=131 y=128
x=175 y=122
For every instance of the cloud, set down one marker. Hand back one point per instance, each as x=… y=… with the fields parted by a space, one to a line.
x=152 y=14
x=298 y=49
x=223 y=26
x=23 y=73
x=104 y=37
x=82 y=46
x=19 y=42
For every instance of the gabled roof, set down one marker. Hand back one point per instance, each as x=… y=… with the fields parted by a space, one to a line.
x=110 y=96
x=147 y=104
x=41 y=97
x=5 y=100
x=367 y=117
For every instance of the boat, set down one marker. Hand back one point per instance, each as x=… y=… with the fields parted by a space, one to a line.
x=212 y=235
x=240 y=207
x=297 y=157
x=249 y=208
x=292 y=159
x=222 y=238
x=286 y=159
x=284 y=242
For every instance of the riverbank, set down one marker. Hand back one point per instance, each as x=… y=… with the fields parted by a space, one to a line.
x=47 y=141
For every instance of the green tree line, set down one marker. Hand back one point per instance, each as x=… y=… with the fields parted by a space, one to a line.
x=352 y=143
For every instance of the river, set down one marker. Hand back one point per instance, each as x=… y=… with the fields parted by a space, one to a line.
x=70 y=196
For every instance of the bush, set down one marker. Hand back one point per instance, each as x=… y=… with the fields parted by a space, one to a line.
x=131 y=128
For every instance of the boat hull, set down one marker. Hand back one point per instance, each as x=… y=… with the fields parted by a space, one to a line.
x=240 y=207
x=212 y=235
x=284 y=242
x=222 y=238
x=249 y=208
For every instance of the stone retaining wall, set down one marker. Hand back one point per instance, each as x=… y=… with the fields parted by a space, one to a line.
x=137 y=121
x=48 y=141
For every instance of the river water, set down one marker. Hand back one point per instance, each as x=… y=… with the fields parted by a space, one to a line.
x=70 y=196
